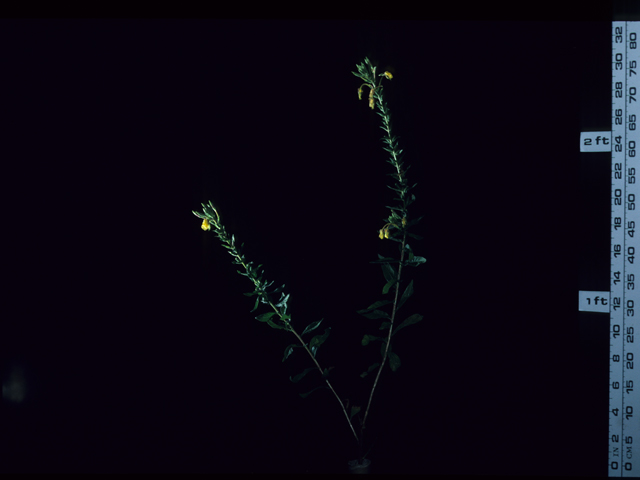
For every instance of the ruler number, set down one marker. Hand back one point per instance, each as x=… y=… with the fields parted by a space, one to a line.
x=632 y=122
x=630 y=340
x=632 y=65
x=630 y=286
x=618 y=197
x=618 y=63
x=618 y=90
x=631 y=202
x=632 y=94
x=630 y=310
x=628 y=385
x=631 y=225
x=632 y=148
x=632 y=39
x=630 y=361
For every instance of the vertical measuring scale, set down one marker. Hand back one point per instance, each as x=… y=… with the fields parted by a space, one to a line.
x=622 y=301
x=624 y=333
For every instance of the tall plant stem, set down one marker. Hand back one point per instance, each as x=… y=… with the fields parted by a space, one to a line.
x=344 y=410
x=386 y=350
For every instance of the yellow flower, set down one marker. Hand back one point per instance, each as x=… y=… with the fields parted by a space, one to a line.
x=388 y=75
x=205 y=225
x=381 y=234
x=386 y=233
x=404 y=222
x=360 y=93
x=371 y=102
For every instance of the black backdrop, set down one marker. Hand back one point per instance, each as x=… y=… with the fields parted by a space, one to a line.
x=140 y=350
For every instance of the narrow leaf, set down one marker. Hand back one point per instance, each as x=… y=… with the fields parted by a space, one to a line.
x=305 y=395
x=265 y=316
x=369 y=370
x=376 y=314
x=326 y=371
x=387 y=286
x=368 y=338
x=415 y=261
x=318 y=340
x=298 y=377
x=283 y=300
x=273 y=325
x=389 y=272
x=288 y=351
x=394 y=361
x=374 y=306
x=255 y=307
x=312 y=326
x=407 y=293
x=386 y=260
x=354 y=410
x=415 y=318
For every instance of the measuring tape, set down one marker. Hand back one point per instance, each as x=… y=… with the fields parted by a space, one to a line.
x=622 y=302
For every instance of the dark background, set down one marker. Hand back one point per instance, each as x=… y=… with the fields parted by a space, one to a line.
x=139 y=350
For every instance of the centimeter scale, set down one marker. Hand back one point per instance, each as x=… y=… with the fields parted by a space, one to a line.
x=622 y=302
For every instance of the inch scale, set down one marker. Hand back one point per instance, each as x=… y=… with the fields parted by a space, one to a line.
x=622 y=302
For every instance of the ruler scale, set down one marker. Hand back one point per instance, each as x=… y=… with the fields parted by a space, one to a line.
x=624 y=454
x=622 y=302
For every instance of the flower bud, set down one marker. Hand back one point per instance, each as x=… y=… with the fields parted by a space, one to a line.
x=205 y=225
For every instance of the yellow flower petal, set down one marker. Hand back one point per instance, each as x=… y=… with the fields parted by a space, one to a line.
x=205 y=225
x=388 y=75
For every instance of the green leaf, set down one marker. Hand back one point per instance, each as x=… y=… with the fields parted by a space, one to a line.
x=407 y=293
x=376 y=314
x=386 y=260
x=298 y=377
x=385 y=325
x=326 y=371
x=387 y=286
x=265 y=316
x=318 y=340
x=273 y=325
x=394 y=361
x=312 y=326
x=369 y=370
x=255 y=307
x=283 y=300
x=374 y=306
x=288 y=351
x=415 y=318
x=305 y=395
x=354 y=410
x=389 y=272
x=415 y=261
x=368 y=338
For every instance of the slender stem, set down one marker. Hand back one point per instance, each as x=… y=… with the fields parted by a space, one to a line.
x=321 y=373
x=387 y=129
x=386 y=350
x=222 y=234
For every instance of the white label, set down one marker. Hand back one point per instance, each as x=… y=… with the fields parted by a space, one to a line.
x=593 y=302
x=595 y=141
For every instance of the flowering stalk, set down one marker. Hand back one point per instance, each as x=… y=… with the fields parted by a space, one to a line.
x=279 y=318
x=396 y=228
